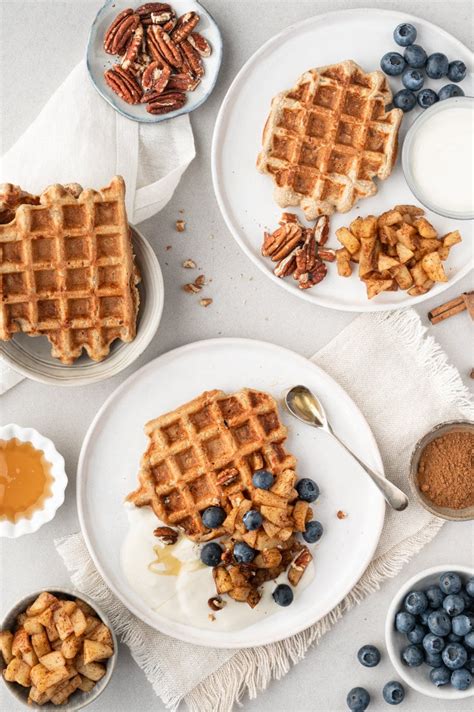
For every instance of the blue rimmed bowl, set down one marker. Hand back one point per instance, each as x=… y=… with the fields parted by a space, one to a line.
x=98 y=61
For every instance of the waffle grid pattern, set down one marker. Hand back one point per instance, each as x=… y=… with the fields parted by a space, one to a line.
x=190 y=447
x=66 y=271
x=328 y=137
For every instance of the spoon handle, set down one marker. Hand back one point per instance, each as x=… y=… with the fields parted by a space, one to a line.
x=393 y=495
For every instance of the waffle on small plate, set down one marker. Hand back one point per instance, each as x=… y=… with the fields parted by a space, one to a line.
x=67 y=268
x=328 y=137
x=205 y=453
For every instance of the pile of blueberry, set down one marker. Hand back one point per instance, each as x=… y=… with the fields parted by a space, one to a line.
x=439 y=625
x=213 y=518
x=411 y=66
x=358 y=699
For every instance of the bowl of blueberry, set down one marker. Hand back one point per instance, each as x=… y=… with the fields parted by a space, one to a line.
x=429 y=632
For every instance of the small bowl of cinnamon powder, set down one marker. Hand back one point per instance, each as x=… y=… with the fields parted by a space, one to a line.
x=442 y=470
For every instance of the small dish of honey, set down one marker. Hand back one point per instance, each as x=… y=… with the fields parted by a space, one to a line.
x=32 y=480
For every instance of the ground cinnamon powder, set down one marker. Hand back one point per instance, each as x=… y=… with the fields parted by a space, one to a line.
x=446 y=470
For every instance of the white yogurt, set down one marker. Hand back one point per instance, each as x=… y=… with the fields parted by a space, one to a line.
x=442 y=160
x=183 y=597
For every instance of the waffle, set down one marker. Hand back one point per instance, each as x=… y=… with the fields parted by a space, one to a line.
x=66 y=268
x=328 y=137
x=205 y=453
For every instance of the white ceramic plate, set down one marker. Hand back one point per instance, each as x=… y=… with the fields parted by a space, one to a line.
x=32 y=356
x=245 y=196
x=111 y=452
x=98 y=60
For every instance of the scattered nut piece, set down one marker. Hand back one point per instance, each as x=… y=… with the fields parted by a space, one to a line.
x=200 y=281
x=191 y=287
x=341 y=514
x=205 y=302
x=189 y=264
x=166 y=534
x=211 y=617
x=180 y=225
x=216 y=603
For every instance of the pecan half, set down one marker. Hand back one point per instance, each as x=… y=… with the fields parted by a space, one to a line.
x=158 y=9
x=116 y=42
x=321 y=230
x=112 y=31
x=287 y=265
x=200 y=44
x=156 y=77
x=166 y=102
x=167 y=48
x=185 y=25
x=166 y=535
x=123 y=83
x=133 y=47
x=280 y=243
x=183 y=82
x=227 y=477
x=307 y=254
x=192 y=57
x=309 y=279
x=299 y=565
x=216 y=603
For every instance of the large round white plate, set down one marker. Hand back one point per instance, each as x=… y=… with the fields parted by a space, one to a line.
x=98 y=60
x=110 y=456
x=32 y=356
x=245 y=196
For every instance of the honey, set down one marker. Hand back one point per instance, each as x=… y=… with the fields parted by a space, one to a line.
x=25 y=479
x=167 y=564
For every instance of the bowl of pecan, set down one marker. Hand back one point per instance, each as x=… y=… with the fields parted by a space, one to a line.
x=442 y=469
x=155 y=61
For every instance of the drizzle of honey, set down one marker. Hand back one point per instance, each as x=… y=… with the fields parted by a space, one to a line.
x=25 y=479
x=167 y=564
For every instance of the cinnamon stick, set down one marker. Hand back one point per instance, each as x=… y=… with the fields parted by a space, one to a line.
x=454 y=306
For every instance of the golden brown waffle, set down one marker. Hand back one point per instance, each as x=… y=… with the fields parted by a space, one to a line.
x=205 y=453
x=66 y=268
x=328 y=137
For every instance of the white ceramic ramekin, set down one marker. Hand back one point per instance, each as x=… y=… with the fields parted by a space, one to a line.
x=419 y=677
x=52 y=503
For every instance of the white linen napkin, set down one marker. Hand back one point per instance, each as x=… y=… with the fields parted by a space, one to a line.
x=79 y=138
x=384 y=362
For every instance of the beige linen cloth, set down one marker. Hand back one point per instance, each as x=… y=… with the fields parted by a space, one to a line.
x=403 y=383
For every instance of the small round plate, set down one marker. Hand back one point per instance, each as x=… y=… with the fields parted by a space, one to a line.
x=115 y=442
x=98 y=61
x=32 y=356
x=245 y=196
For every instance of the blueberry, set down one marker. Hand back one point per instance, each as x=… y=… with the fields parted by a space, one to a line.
x=404 y=622
x=461 y=679
x=437 y=65
x=358 y=699
x=252 y=520
x=450 y=582
x=416 y=635
x=307 y=490
x=456 y=71
x=212 y=517
x=404 y=34
x=433 y=643
x=283 y=595
x=470 y=587
x=404 y=100
x=369 y=656
x=453 y=638
x=393 y=693
x=469 y=640
x=470 y=663
x=462 y=625
x=211 y=554
x=243 y=553
x=434 y=594
x=468 y=601
x=440 y=676
x=434 y=660
x=439 y=623
x=412 y=655
x=313 y=532
x=449 y=91
x=454 y=656
x=262 y=479
x=413 y=79
x=392 y=64
x=416 y=602
x=415 y=56
x=453 y=604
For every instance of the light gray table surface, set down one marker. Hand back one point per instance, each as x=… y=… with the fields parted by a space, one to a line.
x=40 y=42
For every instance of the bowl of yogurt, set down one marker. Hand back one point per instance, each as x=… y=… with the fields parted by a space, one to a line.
x=437 y=158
